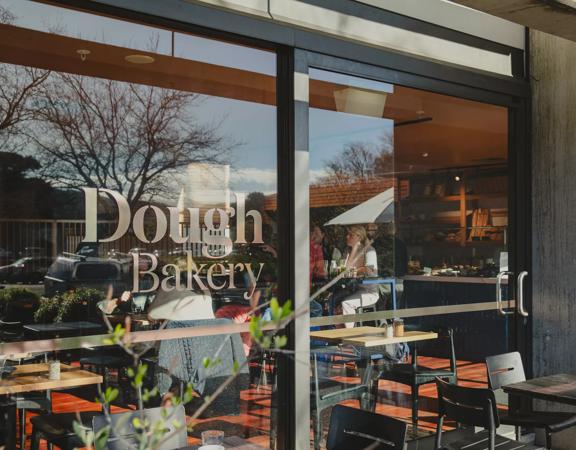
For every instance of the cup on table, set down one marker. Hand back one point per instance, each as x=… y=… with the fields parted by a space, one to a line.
x=54 y=370
x=212 y=437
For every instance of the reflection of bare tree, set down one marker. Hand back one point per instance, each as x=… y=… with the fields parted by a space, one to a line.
x=122 y=136
x=17 y=85
x=359 y=161
x=6 y=16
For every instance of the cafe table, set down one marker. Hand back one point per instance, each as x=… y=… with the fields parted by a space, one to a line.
x=232 y=443
x=369 y=336
x=365 y=338
x=560 y=388
x=34 y=377
x=62 y=328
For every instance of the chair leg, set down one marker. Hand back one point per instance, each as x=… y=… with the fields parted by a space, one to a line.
x=22 y=429
x=35 y=441
x=317 y=424
x=438 y=439
x=548 y=440
x=415 y=390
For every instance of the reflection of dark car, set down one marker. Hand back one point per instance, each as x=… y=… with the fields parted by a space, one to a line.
x=86 y=269
x=97 y=273
x=30 y=269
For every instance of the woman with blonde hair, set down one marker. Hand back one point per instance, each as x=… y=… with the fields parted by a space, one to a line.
x=361 y=260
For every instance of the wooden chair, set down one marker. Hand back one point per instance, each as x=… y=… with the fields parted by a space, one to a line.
x=122 y=431
x=508 y=369
x=476 y=408
x=352 y=428
x=415 y=375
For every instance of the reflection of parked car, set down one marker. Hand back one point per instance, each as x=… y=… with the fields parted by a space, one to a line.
x=30 y=269
x=74 y=271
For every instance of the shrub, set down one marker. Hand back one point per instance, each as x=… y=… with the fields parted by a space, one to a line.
x=18 y=304
x=75 y=305
x=69 y=306
x=48 y=310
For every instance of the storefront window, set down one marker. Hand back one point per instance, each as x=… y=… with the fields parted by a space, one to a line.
x=136 y=171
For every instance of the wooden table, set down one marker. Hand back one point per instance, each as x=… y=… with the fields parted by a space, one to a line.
x=233 y=443
x=63 y=327
x=369 y=336
x=34 y=377
x=559 y=388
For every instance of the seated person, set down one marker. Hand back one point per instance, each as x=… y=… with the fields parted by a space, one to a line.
x=361 y=261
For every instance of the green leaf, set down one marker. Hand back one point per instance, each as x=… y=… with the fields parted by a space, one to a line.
x=280 y=341
x=235 y=367
x=275 y=310
x=206 y=362
x=188 y=394
x=287 y=309
x=110 y=395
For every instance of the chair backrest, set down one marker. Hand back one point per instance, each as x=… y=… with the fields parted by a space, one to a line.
x=469 y=406
x=355 y=428
x=123 y=433
x=505 y=369
x=183 y=358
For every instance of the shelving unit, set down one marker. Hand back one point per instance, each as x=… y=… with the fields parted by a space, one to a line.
x=446 y=211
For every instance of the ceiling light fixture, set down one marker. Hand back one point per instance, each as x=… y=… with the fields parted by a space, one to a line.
x=139 y=59
x=425 y=155
x=83 y=53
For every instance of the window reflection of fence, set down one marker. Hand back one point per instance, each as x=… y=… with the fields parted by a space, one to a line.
x=36 y=237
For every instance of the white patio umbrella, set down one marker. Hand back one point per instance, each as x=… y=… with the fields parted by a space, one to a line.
x=378 y=209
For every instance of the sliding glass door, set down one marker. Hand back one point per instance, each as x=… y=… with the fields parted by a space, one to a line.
x=410 y=228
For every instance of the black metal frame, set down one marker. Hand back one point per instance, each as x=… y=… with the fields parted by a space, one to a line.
x=356 y=59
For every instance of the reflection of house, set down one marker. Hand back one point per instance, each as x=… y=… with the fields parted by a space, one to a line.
x=340 y=193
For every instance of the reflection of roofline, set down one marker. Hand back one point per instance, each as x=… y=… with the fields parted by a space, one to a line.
x=340 y=193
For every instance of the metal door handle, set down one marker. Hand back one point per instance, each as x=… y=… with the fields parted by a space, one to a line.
x=520 y=289
x=499 y=293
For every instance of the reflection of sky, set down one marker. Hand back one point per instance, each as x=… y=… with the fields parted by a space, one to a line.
x=331 y=131
x=91 y=27
x=250 y=126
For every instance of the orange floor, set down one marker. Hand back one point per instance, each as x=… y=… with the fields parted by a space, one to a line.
x=254 y=421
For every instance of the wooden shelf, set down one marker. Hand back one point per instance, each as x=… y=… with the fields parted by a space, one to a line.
x=457 y=243
x=453 y=198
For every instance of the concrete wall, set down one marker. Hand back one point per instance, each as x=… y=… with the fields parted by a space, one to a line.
x=554 y=208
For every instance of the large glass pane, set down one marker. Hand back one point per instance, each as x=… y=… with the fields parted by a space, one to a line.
x=409 y=219
x=136 y=167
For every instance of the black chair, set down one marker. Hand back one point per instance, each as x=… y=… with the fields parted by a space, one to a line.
x=58 y=429
x=415 y=375
x=508 y=369
x=352 y=428
x=325 y=392
x=476 y=408
x=123 y=434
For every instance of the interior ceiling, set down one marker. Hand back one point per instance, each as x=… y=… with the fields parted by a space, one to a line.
x=456 y=132
x=59 y=53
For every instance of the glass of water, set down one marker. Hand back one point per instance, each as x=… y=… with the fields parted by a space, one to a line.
x=212 y=437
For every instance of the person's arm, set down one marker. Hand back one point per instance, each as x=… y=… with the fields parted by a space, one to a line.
x=371 y=263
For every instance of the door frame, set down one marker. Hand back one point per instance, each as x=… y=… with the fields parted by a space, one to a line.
x=519 y=241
